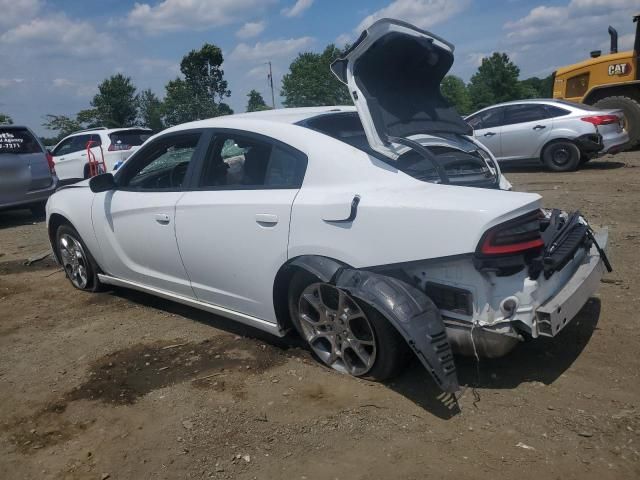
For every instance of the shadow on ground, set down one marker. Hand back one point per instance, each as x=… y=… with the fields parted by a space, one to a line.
x=537 y=167
x=16 y=218
x=539 y=360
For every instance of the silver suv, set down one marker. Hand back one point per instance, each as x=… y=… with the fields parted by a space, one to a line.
x=560 y=134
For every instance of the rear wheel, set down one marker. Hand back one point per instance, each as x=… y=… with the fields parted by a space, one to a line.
x=561 y=156
x=631 y=109
x=344 y=333
x=79 y=266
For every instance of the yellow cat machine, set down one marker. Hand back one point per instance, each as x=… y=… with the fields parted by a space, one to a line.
x=606 y=81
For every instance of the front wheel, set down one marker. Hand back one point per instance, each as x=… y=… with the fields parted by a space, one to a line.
x=79 y=266
x=344 y=333
x=561 y=156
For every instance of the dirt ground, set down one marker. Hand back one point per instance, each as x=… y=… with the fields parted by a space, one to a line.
x=122 y=385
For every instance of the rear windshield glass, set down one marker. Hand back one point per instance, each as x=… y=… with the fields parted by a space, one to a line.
x=18 y=140
x=133 y=138
x=347 y=127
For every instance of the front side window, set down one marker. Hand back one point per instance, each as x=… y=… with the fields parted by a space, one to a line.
x=64 y=147
x=238 y=161
x=162 y=165
x=487 y=119
x=524 y=113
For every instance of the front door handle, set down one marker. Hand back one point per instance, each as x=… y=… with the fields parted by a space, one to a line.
x=266 y=219
x=489 y=134
x=162 y=218
x=539 y=127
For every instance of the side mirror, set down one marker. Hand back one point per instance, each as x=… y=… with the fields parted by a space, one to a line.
x=102 y=183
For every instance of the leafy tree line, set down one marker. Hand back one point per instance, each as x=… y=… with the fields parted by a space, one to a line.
x=309 y=82
x=200 y=92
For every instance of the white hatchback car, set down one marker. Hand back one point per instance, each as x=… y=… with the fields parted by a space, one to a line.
x=116 y=144
x=371 y=234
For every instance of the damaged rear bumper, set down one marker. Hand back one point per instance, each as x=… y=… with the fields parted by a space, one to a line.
x=558 y=311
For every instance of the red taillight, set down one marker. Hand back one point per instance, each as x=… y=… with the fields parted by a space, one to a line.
x=601 y=119
x=515 y=236
x=116 y=147
x=52 y=166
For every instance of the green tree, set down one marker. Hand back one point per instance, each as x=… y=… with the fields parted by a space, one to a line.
x=200 y=93
x=150 y=110
x=5 y=119
x=456 y=92
x=115 y=104
x=310 y=82
x=256 y=102
x=535 y=87
x=495 y=81
x=61 y=124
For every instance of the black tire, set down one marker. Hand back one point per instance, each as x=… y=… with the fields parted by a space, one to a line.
x=92 y=282
x=631 y=109
x=392 y=352
x=561 y=156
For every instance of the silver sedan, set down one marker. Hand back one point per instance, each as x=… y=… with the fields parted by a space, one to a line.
x=560 y=134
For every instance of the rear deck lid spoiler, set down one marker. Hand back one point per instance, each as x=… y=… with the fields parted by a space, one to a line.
x=393 y=72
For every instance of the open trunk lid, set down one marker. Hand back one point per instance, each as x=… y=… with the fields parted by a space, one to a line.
x=393 y=72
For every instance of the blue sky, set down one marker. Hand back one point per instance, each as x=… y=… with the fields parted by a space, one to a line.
x=54 y=53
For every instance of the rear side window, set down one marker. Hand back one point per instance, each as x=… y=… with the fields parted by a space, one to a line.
x=556 y=111
x=524 y=113
x=125 y=139
x=237 y=162
x=18 y=140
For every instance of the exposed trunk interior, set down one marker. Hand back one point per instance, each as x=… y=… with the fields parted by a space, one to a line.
x=400 y=76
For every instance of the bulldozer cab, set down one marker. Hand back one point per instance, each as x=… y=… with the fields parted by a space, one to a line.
x=608 y=81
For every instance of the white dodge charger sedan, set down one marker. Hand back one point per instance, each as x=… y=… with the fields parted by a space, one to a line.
x=373 y=231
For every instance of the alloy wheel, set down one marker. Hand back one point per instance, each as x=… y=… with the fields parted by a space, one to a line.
x=74 y=261
x=337 y=329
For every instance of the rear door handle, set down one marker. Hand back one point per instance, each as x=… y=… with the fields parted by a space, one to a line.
x=489 y=134
x=539 y=127
x=162 y=218
x=266 y=219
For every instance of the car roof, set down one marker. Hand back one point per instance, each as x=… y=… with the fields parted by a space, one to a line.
x=289 y=116
x=539 y=101
x=108 y=131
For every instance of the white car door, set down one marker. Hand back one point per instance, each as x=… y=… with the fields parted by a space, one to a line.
x=487 y=129
x=525 y=130
x=135 y=223
x=69 y=157
x=233 y=226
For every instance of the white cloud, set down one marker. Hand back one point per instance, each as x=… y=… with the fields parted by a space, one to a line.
x=343 y=39
x=577 y=20
x=176 y=15
x=79 y=89
x=13 y=12
x=251 y=29
x=57 y=34
x=421 y=13
x=297 y=9
x=578 y=26
x=149 y=65
x=263 y=51
x=8 y=82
